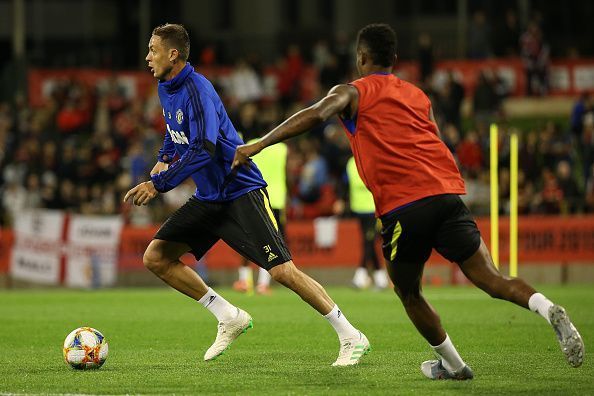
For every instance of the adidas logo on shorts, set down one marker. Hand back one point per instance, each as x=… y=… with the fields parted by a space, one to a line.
x=268 y=250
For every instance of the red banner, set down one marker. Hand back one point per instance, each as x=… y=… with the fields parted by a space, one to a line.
x=541 y=240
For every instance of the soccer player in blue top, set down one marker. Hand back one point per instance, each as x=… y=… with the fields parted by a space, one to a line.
x=228 y=205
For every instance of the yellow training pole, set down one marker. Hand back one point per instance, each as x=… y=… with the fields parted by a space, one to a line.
x=494 y=156
x=513 y=204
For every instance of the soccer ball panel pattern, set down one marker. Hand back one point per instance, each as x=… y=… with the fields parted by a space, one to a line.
x=85 y=348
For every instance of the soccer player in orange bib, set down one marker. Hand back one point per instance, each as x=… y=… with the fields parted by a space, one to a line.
x=415 y=184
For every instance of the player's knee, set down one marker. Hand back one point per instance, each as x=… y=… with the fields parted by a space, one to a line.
x=285 y=274
x=154 y=261
x=409 y=298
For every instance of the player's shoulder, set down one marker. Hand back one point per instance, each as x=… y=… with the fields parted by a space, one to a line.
x=409 y=85
x=197 y=84
x=414 y=90
x=343 y=89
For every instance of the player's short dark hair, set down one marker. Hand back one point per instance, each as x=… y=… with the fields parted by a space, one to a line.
x=380 y=40
x=175 y=36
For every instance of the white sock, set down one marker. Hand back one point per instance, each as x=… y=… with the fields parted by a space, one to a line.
x=243 y=273
x=263 y=277
x=380 y=278
x=450 y=358
x=361 y=278
x=218 y=306
x=540 y=304
x=341 y=325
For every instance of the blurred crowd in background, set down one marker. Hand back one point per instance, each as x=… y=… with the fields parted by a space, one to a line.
x=85 y=147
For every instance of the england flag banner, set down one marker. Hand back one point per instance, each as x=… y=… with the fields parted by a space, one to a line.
x=92 y=250
x=37 y=250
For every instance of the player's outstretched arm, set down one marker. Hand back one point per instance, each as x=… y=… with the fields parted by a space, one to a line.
x=337 y=101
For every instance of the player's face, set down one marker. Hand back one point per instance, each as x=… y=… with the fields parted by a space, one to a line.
x=158 y=58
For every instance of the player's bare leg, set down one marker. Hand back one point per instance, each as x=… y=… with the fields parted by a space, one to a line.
x=481 y=271
x=307 y=288
x=163 y=259
x=353 y=343
x=407 y=285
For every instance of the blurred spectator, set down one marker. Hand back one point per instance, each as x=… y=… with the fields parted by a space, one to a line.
x=535 y=56
x=528 y=155
x=478 y=192
x=587 y=142
x=314 y=174
x=343 y=49
x=67 y=199
x=244 y=83
x=583 y=107
x=72 y=117
x=508 y=34
x=14 y=198
x=525 y=193
x=426 y=61
x=479 y=36
x=335 y=150
x=137 y=164
x=571 y=195
x=450 y=99
x=548 y=201
x=451 y=137
x=248 y=124
x=208 y=55
x=469 y=153
x=289 y=74
x=33 y=198
x=589 y=193
x=486 y=101
x=321 y=54
x=555 y=146
x=330 y=73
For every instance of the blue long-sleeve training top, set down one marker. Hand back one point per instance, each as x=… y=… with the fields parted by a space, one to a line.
x=201 y=133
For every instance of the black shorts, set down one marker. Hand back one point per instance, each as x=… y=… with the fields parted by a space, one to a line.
x=279 y=215
x=247 y=224
x=441 y=222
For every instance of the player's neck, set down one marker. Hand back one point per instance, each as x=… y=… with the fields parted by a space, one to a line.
x=175 y=70
x=377 y=69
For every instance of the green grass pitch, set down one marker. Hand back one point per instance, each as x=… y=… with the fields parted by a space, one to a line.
x=157 y=338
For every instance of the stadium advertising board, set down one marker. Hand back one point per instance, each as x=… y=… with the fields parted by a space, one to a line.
x=51 y=247
x=37 y=251
x=92 y=250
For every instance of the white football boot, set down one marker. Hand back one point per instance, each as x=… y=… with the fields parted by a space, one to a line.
x=352 y=350
x=227 y=333
x=434 y=370
x=569 y=339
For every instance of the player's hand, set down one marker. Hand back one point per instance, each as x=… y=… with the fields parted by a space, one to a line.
x=142 y=194
x=244 y=152
x=159 y=167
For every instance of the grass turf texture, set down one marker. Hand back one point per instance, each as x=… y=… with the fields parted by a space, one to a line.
x=157 y=338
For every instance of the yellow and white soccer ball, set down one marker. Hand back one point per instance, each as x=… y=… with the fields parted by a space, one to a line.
x=85 y=348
